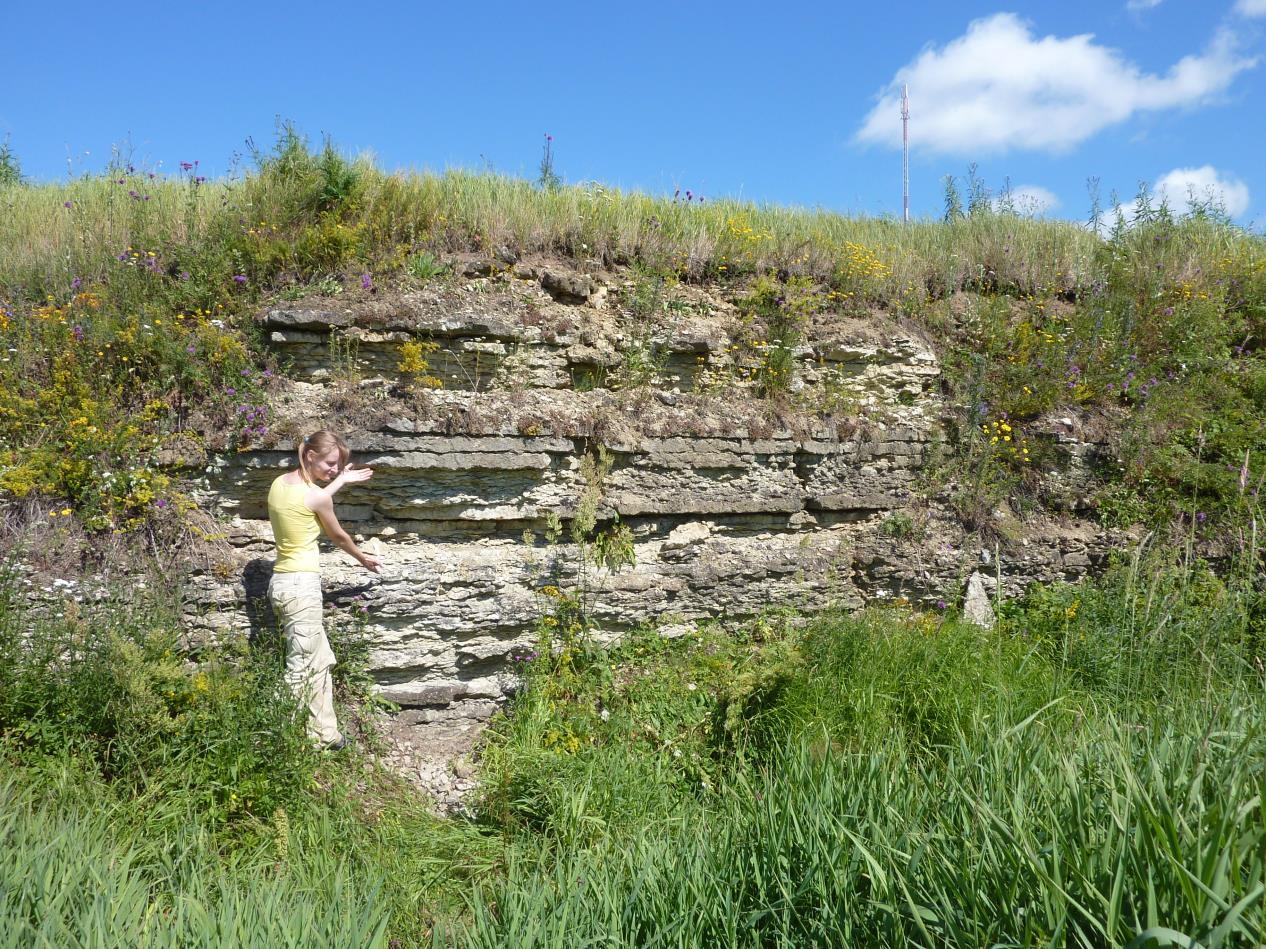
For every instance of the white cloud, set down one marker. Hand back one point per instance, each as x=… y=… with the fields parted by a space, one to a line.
x=1033 y=200
x=1251 y=7
x=1184 y=186
x=1138 y=6
x=999 y=87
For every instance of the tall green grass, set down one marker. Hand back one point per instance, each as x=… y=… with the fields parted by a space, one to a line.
x=146 y=800
x=900 y=779
x=1080 y=776
x=1032 y=833
x=72 y=876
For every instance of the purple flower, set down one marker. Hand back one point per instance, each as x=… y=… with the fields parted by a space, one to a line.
x=151 y=176
x=230 y=391
x=184 y=275
x=366 y=282
x=239 y=278
x=1199 y=517
x=191 y=348
x=78 y=333
x=940 y=604
x=160 y=503
x=133 y=193
x=186 y=166
x=268 y=373
x=200 y=179
x=76 y=284
x=68 y=204
x=246 y=372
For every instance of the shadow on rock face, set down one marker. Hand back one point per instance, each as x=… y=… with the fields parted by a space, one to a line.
x=259 y=612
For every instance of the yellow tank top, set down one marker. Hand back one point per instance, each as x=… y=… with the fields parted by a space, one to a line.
x=295 y=528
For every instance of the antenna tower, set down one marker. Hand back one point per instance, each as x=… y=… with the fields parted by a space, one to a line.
x=905 y=152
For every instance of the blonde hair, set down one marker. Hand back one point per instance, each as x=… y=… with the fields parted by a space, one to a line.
x=321 y=442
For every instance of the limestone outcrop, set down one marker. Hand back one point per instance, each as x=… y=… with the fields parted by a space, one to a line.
x=734 y=505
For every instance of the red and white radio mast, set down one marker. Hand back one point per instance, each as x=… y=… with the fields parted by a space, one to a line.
x=905 y=152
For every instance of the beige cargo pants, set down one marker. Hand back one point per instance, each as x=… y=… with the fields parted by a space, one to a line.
x=296 y=600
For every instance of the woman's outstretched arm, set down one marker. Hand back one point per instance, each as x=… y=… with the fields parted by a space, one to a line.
x=322 y=504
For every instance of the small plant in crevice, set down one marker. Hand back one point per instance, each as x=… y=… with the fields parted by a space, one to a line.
x=776 y=314
x=596 y=548
x=415 y=366
x=424 y=266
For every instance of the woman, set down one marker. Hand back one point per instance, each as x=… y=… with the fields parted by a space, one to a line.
x=300 y=506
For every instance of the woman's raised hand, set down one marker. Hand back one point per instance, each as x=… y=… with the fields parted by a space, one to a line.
x=351 y=474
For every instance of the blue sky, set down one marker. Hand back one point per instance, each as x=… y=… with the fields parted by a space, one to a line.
x=789 y=103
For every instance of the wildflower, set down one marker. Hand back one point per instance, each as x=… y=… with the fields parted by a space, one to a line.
x=76 y=284
x=68 y=204
x=78 y=333
x=239 y=278
x=366 y=282
x=191 y=348
x=186 y=166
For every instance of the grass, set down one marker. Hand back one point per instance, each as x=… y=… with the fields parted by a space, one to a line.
x=900 y=779
x=1088 y=773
